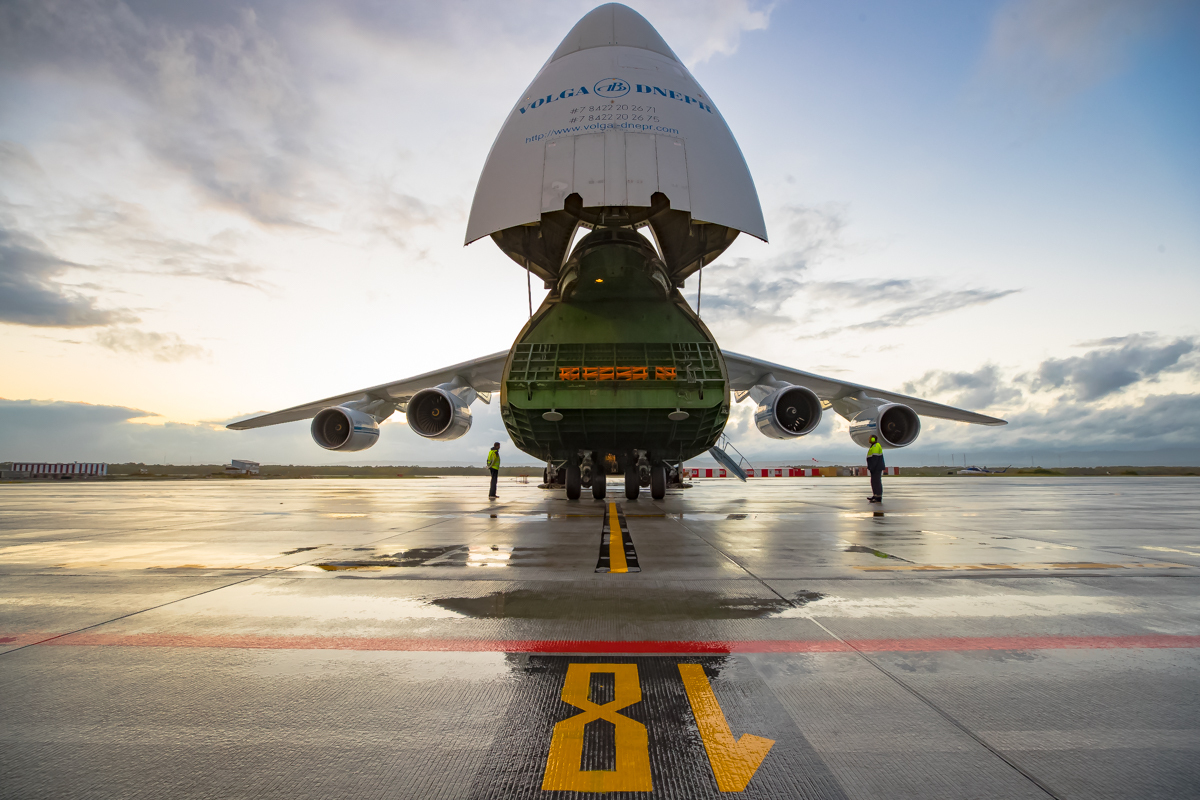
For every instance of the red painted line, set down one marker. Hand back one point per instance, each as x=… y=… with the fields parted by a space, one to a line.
x=250 y=642
x=1025 y=643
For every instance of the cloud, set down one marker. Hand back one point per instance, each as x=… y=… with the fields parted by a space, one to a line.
x=758 y=293
x=33 y=430
x=980 y=389
x=167 y=347
x=217 y=98
x=697 y=31
x=30 y=414
x=912 y=301
x=30 y=295
x=133 y=242
x=708 y=29
x=236 y=97
x=1122 y=362
x=749 y=294
x=933 y=305
x=1058 y=47
x=1156 y=421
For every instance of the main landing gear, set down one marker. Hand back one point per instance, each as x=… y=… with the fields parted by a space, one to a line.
x=591 y=471
x=599 y=482
x=658 y=481
x=574 y=482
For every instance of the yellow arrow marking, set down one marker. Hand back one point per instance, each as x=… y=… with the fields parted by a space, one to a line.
x=616 y=542
x=733 y=763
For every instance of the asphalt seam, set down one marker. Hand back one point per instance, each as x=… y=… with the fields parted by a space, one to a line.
x=739 y=564
x=198 y=594
x=130 y=614
x=943 y=714
x=926 y=701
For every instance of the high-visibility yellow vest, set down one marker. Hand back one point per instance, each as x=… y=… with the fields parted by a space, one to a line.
x=493 y=460
x=875 y=450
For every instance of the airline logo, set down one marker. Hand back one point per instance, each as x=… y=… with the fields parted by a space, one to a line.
x=611 y=87
x=615 y=87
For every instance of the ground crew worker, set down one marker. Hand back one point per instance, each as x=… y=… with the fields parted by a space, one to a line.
x=493 y=462
x=875 y=467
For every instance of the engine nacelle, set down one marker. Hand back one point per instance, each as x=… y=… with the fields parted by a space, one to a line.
x=438 y=414
x=788 y=412
x=343 y=428
x=895 y=425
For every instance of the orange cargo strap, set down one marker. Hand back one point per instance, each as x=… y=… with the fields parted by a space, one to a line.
x=632 y=373
x=568 y=373
x=664 y=373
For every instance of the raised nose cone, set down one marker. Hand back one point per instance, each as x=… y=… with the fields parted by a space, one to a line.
x=614 y=132
x=613 y=24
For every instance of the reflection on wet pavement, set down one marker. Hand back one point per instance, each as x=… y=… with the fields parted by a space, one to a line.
x=192 y=640
x=858 y=548
x=647 y=607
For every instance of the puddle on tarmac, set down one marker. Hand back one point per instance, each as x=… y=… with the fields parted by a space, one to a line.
x=966 y=606
x=651 y=607
x=456 y=555
x=858 y=548
x=298 y=550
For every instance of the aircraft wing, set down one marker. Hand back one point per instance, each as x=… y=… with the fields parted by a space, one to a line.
x=482 y=374
x=746 y=372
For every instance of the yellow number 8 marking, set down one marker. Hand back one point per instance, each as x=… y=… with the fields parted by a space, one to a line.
x=563 y=765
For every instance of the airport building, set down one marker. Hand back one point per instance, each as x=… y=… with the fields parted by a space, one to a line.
x=75 y=469
x=242 y=467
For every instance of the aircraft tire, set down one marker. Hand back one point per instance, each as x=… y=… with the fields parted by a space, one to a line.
x=658 y=481
x=573 y=482
x=599 y=481
x=631 y=483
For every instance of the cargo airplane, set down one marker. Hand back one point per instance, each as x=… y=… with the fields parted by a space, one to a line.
x=615 y=373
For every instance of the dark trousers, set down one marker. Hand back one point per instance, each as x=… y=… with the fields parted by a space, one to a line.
x=877 y=483
x=495 y=477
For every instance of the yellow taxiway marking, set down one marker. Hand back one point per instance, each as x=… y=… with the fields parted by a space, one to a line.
x=1035 y=565
x=733 y=762
x=632 y=773
x=616 y=542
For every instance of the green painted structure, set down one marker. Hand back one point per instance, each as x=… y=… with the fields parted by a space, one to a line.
x=614 y=306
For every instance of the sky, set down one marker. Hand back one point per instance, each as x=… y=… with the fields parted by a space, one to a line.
x=210 y=209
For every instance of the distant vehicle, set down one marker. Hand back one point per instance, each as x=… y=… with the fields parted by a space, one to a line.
x=615 y=372
x=983 y=471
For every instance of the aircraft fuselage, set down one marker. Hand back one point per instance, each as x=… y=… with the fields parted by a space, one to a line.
x=615 y=363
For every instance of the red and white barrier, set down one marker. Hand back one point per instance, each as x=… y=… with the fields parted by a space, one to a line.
x=786 y=472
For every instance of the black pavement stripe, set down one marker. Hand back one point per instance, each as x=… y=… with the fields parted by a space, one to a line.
x=603 y=564
x=669 y=761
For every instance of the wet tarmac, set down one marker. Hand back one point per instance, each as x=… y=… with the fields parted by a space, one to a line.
x=974 y=638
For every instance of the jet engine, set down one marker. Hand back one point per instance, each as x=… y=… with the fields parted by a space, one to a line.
x=439 y=414
x=344 y=428
x=788 y=412
x=896 y=425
